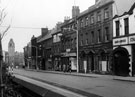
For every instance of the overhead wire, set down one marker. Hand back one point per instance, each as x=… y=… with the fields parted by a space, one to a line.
x=15 y=27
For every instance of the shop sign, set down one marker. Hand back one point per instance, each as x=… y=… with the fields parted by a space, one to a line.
x=120 y=41
x=131 y=39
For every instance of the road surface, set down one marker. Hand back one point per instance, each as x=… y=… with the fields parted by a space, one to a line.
x=84 y=85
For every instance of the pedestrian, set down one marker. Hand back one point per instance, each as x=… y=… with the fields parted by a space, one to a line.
x=69 y=68
x=64 y=67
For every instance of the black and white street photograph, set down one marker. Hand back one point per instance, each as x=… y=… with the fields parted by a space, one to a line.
x=67 y=48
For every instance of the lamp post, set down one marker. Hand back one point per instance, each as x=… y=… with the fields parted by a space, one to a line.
x=77 y=46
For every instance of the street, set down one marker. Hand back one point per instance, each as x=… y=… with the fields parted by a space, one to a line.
x=98 y=86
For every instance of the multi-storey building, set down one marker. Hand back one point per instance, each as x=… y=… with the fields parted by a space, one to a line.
x=34 y=51
x=69 y=40
x=95 y=26
x=27 y=56
x=46 y=47
x=124 y=43
x=56 y=47
x=95 y=37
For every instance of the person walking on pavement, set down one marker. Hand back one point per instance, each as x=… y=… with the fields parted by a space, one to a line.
x=64 y=68
x=69 y=67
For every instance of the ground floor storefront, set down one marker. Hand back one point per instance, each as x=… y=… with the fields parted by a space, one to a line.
x=124 y=60
x=64 y=62
x=96 y=59
x=124 y=56
x=99 y=61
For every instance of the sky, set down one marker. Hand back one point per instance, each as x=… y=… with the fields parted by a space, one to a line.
x=27 y=17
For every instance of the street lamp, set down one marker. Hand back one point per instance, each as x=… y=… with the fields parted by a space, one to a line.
x=77 y=46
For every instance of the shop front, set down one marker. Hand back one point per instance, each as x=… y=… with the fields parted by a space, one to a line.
x=69 y=58
x=122 y=56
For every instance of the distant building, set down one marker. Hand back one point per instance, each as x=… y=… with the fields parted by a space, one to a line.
x=11 y=51
x=18 y=59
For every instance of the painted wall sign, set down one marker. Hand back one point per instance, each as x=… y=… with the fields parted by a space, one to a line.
x=131 y=39
x=120 y=41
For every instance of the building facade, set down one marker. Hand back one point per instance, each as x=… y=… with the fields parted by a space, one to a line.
x=27 y=56
x=56 y=48
x=69 y=41
x=45 y=49
x=95 y=37
x=123 y=43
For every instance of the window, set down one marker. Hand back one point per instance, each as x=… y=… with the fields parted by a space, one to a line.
x=81 y=42
x=117 y=28
x=126 y=27
x=106 y=33
x=106 y=13
x=98 y=16
x=86 y=41
x=92 y=19
x=81 y=22
x=99 y=35
x=86 y=22
x=92 y=36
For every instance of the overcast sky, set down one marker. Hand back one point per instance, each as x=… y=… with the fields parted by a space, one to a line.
x=33 y=15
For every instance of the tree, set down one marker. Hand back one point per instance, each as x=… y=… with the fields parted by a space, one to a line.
x=2 y=72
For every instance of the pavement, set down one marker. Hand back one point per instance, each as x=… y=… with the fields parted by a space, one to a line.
x=103 y=76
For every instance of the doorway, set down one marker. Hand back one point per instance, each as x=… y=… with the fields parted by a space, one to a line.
x=121 y=62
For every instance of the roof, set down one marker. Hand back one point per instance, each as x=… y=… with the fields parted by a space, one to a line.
x=131 y=9
x=47 y=36
x=99 y=4
x=126 y=13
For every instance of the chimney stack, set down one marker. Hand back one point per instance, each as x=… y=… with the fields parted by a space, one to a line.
x=44 y=31
x=75 y=11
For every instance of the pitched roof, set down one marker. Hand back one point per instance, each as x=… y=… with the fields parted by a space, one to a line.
x=47 y=36
x=99 y=4
x=131 y=9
